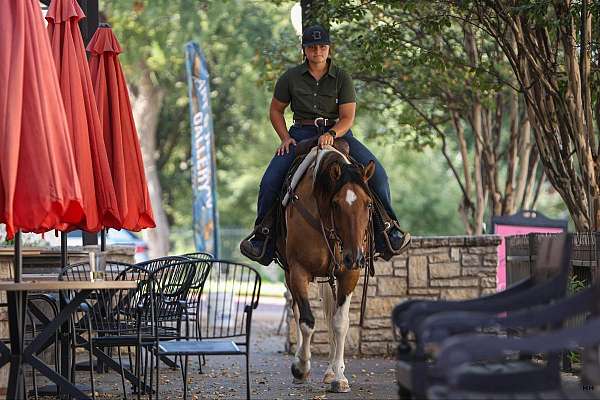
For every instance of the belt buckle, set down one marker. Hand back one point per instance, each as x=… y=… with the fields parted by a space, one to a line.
x=317 y=121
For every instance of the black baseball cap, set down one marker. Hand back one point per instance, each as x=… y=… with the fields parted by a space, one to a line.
x=315 y=35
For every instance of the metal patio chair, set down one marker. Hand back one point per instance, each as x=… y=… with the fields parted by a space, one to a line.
x=489 y=367
x=547 y=283
x=228 y=297
x=117 y=319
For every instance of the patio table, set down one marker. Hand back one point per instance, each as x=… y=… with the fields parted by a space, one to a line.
x=18 y=355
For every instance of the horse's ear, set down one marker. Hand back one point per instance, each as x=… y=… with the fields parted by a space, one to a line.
x=369 y=170
x=335 y=172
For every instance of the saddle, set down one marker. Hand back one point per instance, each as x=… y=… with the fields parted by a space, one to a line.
x=274 y=226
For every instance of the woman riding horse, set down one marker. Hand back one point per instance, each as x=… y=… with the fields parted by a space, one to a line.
x=323 y=99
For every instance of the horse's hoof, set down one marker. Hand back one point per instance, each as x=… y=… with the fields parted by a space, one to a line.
x=297 y=381
x=340 y=387
x=329 y=377
x=299 y=377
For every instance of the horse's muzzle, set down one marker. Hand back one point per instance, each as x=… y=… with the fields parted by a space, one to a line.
x=352 y=261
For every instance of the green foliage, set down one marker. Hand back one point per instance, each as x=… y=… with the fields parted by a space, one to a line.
x=249 y=43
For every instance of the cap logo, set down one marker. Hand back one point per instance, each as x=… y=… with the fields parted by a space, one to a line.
x=316 y=35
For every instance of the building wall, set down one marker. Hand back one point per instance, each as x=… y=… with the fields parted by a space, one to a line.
x=444 y=267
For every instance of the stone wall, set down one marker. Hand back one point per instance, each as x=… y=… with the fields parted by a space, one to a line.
x=451 y=268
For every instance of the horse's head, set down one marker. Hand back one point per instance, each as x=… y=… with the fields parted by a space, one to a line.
x=344 y=200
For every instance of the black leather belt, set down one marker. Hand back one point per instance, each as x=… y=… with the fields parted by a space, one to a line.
x=326 y=122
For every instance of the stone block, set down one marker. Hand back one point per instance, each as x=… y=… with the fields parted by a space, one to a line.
x=488 y=291
x=459 y=293
x=392 y=286
x=417 y=271
x=320 y=337
x=313 y=291
x=319 y=348
x=381 y=307
x=444 y=270
x=490 y=260
x=470 y=260
x=400 y=272
x=420 y=291
x=352 y=340
x=456 y=241
x=478 y=271
x=357 y=293
x=378 y=323
x=482 y=240
x=437 y=241
x=482 y=250
x=374 y=348
x=377 y=335
x=424 y=251
x=383 y=268
x=292 y=334
x=455 y=282
x=399 y=262
x=488 y=282
x=455 y=254
x=439 y=257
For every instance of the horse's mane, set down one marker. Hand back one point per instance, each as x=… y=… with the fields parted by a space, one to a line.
x=324 y=186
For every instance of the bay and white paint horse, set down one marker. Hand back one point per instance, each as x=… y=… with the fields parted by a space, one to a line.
x=327 y=228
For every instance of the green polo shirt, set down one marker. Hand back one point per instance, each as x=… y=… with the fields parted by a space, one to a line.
x=310 y=98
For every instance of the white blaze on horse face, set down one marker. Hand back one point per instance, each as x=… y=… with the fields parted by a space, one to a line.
x=350 y=197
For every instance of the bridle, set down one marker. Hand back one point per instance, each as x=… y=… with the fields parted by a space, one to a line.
x=333 y=240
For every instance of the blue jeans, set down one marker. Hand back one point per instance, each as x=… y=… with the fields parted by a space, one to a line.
x=272 y=181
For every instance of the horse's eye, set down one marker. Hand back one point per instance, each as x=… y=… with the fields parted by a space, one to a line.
x=370 y=205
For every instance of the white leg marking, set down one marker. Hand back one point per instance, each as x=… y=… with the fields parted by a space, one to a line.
x=341 y=322
x=328 y=310
x=302 y=357
x=350 y=196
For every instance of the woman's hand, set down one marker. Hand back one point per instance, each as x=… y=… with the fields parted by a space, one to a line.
x=325 y=139
x=284 y=148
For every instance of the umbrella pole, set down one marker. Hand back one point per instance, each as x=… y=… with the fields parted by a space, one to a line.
x=18 y=264
x=63 y=250
x=103 y=240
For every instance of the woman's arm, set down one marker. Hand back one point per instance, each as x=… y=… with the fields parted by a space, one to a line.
x=278 y=121
x=346 y=112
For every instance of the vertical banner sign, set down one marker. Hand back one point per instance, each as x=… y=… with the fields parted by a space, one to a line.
x=206 y=217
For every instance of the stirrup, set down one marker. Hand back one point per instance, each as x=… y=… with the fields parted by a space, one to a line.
x=246 y=243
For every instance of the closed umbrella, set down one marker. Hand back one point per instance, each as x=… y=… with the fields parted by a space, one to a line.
x=39 y=185
x=99 y=199
x=120 y=135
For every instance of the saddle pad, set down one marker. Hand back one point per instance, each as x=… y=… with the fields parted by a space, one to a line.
x=310 y=159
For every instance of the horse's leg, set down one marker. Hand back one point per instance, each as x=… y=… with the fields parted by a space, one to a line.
x=341 y=322
x=328 y=311
x=305 y=321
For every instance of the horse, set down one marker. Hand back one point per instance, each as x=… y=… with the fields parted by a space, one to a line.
x=327 y=234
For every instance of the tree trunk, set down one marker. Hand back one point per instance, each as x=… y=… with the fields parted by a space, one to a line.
x=314 y=12
x=146 y=104
x=554 y=80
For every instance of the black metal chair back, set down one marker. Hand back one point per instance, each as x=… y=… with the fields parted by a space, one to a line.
x=198 y=255
x=229 y=295
x=156 y=263
x=172 y=284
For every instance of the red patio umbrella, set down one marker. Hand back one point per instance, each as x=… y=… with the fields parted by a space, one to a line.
x=99 y=198
x=39 y=186
x=120 y=135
